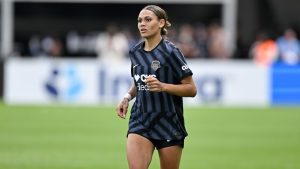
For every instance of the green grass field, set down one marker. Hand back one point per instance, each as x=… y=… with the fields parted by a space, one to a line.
x=69 y=137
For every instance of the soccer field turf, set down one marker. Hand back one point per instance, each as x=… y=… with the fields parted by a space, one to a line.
x=69 y=137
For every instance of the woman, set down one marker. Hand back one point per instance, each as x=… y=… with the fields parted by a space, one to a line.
x=161 y=78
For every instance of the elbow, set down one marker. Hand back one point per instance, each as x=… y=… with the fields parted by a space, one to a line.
x=194 y=92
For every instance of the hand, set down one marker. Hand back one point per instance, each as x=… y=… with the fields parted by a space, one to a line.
x=122 y=108
x=154 y=84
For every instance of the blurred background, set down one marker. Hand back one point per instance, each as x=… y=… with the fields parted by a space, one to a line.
x=64 y=65
x=227 y=36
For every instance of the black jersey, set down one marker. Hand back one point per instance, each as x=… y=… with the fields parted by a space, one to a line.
x=158 y=115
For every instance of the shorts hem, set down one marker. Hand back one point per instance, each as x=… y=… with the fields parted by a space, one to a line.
x=159 y=144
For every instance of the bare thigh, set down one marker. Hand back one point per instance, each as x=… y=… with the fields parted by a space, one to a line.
x=170 y=157
x=139 y=151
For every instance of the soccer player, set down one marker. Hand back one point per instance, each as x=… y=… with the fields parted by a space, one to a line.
x=161 y=78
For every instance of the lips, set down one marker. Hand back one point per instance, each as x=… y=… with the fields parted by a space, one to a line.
x=143 y=30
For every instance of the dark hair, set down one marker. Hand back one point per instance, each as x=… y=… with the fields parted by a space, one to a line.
x=161 y=14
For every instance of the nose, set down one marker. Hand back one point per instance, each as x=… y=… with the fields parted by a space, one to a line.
x=142 y=24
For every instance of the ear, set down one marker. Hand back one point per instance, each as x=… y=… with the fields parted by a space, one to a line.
x=162 y=23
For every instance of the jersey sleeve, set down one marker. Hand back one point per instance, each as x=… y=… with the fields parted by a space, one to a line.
x=131 y=64
x=179 y=65
x=131 y=70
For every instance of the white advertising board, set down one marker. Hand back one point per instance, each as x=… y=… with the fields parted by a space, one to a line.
x=50 y=81
x=44 y=81
x=230 y=83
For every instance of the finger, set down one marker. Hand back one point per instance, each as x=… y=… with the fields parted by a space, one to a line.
x=150 y=79
x=121 y=114
x=125 y=109
x=124 y=113
x=152 y=84
x=120 y=111
x=155 y=88
x=151 y=87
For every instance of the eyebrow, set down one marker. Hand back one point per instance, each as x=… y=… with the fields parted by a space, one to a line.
x=144 y=17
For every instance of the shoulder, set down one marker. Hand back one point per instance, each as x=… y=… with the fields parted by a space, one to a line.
x=169 y=46
x=136 y=47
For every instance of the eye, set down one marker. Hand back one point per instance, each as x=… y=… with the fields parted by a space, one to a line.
x=148 y=19
x=139 y=20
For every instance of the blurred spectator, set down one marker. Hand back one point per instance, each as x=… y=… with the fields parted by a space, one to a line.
x=47 y=46
x=263 y=50
x=172 y=35
x=201 y=38
x=81 y=45
x=288 y=47
x=186 y=41
x=112 y=44
x=132 y=39
x=57 y=48
x=73 y=42
x=35 y=48
x=216 y=42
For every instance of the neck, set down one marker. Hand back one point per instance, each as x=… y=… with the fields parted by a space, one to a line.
x=151 y=43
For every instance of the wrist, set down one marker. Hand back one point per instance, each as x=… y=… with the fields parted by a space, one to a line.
x=163 y=87
x=128 y=96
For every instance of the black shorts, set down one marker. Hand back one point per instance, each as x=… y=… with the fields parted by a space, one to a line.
x=159 y=144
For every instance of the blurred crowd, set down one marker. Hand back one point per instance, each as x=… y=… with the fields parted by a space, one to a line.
x=285 y=48
x=195 y=41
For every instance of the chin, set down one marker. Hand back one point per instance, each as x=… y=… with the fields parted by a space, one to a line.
x=146 y=36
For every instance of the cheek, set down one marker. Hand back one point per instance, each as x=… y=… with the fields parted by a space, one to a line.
x=154 y=27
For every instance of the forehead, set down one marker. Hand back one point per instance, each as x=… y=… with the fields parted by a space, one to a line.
x=145 y=13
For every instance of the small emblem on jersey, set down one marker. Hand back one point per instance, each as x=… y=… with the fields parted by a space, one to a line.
x=136 y=77
x=135 y=66
x=155 y=65
x=184 y=67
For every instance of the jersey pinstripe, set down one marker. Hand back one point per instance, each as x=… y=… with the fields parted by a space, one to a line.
x=158 y=115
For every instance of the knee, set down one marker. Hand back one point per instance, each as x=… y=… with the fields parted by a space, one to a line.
x=134 y=165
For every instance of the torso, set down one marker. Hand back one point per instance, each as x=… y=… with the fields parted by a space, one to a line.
x=156 y=115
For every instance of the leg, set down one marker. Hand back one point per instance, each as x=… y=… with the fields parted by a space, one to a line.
x=170 y=157
x=139 y=151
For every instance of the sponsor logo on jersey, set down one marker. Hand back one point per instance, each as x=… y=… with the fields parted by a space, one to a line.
x=136 y=77
x=155 y=65
x=142 y=78
x=184 y=67
x=142 y=86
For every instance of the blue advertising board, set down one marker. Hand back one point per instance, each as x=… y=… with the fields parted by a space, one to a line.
x=285 y=84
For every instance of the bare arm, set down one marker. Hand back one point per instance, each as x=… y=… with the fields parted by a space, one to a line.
x=132 y=90
x=122 y=107
x=187 y=87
